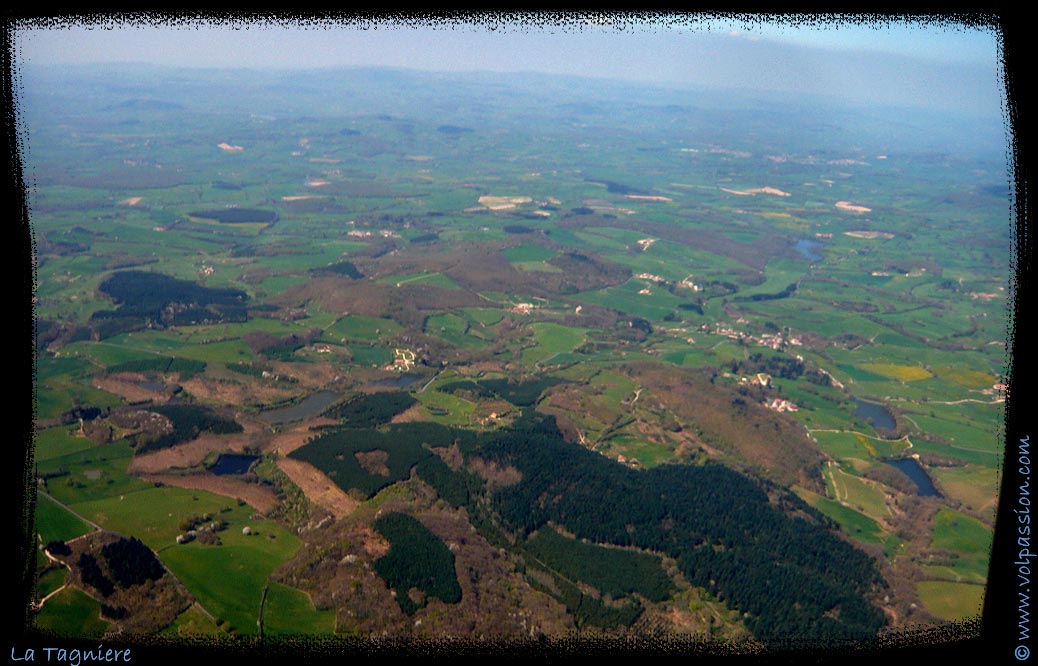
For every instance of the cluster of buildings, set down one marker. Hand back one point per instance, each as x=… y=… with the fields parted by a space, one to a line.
x=687 y=283
x=774 y=341
x=403 y=360
x=780 y=405
x=384 y=233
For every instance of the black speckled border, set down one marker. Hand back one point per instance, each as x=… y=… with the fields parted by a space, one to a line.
x=990 y=639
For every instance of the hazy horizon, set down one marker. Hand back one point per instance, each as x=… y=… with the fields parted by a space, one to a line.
x=942 y=66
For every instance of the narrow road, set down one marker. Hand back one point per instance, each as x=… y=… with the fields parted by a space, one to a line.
x=70 y=510
x=50 y=557
x=429 y=383
x=98 y=528
x=263 y=601
x=959 y=402
x=855 y=432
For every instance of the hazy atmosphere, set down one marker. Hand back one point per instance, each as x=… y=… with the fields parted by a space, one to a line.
x=515 y=327
x=936 y=63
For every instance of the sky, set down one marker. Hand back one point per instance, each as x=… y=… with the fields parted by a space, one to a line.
x=886 y=60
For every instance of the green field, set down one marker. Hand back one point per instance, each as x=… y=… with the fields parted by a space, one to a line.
x=455 y=330
x=58 y=441
x=662 y=247
x=971 y=456
x=552 y=340
x=975 y=486
x=959 y=570
x=483 y=316
x=778 y=275
x=902 y=373
x=446 y=409
x=952 y=601
x=51 y=581
x=57 y=394
x=93 y=474
x=647 y=454
x=53 y=523
x=228 y=580
x=962 y=427
x=371 y=356
x=358 y=327
x=854 y=523
x=231 y=351
x=957 y=532
x=191 y=624
x=152 y=514
x=290 y=611
x=867 y=497
x=72 y=613
x=627 y=298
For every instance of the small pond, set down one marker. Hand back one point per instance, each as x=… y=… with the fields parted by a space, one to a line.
x=877 y=415
x=915 y=471
x=233 y=463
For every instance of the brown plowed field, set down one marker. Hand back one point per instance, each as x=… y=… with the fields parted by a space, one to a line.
x=194 y=452
x=318 y=488
x=237 y=391
x=293 y=437
x=127 y=387
x=255 y=495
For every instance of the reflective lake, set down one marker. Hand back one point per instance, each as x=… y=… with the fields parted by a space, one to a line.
x=879 y=416
x=915 y=471
x=312 y=405
x=232 y=463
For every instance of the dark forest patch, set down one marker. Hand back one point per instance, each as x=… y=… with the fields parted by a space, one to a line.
x=186 y=422
x=145 y=298
x=344 y=268
x=617 y=188
x=405 y=445
x=417 y=561
x=788 y=575
x=368 y=410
